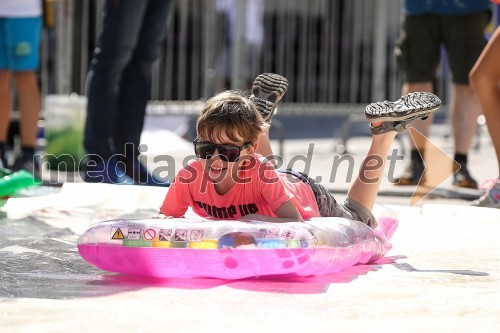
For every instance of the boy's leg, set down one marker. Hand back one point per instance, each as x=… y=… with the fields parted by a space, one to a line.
x=329 y=207
x=387 y=118
x=268 y=89
x=365 y=187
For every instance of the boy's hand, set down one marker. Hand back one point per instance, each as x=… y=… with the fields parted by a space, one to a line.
x=264 y=218
x=162 y=216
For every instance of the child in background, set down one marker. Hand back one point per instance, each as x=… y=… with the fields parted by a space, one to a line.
x=20 y=32
x=232 y=179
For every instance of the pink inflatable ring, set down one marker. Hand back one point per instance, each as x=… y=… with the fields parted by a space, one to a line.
x=184 y=248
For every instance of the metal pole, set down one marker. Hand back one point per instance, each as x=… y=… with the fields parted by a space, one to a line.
x=238 y=44
x=379 y=50
x=208 y=49
x=63 y=59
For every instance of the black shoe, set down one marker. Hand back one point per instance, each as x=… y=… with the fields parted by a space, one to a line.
x=398 y=115
x=3 y=163
x=3 y=160
x=414 y=171
x=462 y=178
x=267 y=90
x=23 y=161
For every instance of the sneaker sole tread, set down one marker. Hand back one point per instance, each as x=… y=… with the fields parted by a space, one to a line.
x=415 y=105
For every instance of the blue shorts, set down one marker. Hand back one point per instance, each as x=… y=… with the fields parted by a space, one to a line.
x=20 y=43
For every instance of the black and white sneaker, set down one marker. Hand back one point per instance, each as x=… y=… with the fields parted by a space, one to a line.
x=398 y=115
x=267 y=90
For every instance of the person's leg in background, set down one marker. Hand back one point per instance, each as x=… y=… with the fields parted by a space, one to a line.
x=464 y=110
x=5 y=112
x=418 y=54
x=28 y=95
x=23 y=39
x=5 y=95
x=135 y=91
x=485 y=80
x=464 y=40
x=122 y=21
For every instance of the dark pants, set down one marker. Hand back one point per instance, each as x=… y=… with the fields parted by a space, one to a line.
x=328 y=205
x=119 y=79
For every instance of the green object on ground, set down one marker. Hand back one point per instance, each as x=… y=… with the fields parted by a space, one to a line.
x=64 y=126
x=11 y=182
x=64 y=150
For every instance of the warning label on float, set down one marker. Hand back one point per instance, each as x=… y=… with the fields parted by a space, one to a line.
x=117 y=234
x=196 y=235
x=272 y=232
x=180 y=235
x=134 y=233
x=149 y=234
x=288 y=234
x=165 y=235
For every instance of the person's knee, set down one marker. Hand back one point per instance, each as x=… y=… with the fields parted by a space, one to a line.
x=112 y=60
x=146 y=55
x=24 y=76
x=26 y=83
x=479 y=78
x=474 y=76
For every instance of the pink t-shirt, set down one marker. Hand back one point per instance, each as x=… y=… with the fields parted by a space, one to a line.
x=260 y=190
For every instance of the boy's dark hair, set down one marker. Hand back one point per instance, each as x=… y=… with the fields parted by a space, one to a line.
x=230 y=113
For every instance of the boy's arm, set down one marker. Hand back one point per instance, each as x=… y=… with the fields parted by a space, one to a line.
x=178 y=197
x=265 y=218
x=289 y=211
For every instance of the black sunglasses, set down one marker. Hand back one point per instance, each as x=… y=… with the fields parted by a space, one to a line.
x=227 y=152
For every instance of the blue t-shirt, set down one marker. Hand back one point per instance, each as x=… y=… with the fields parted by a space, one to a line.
x=445 y=7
